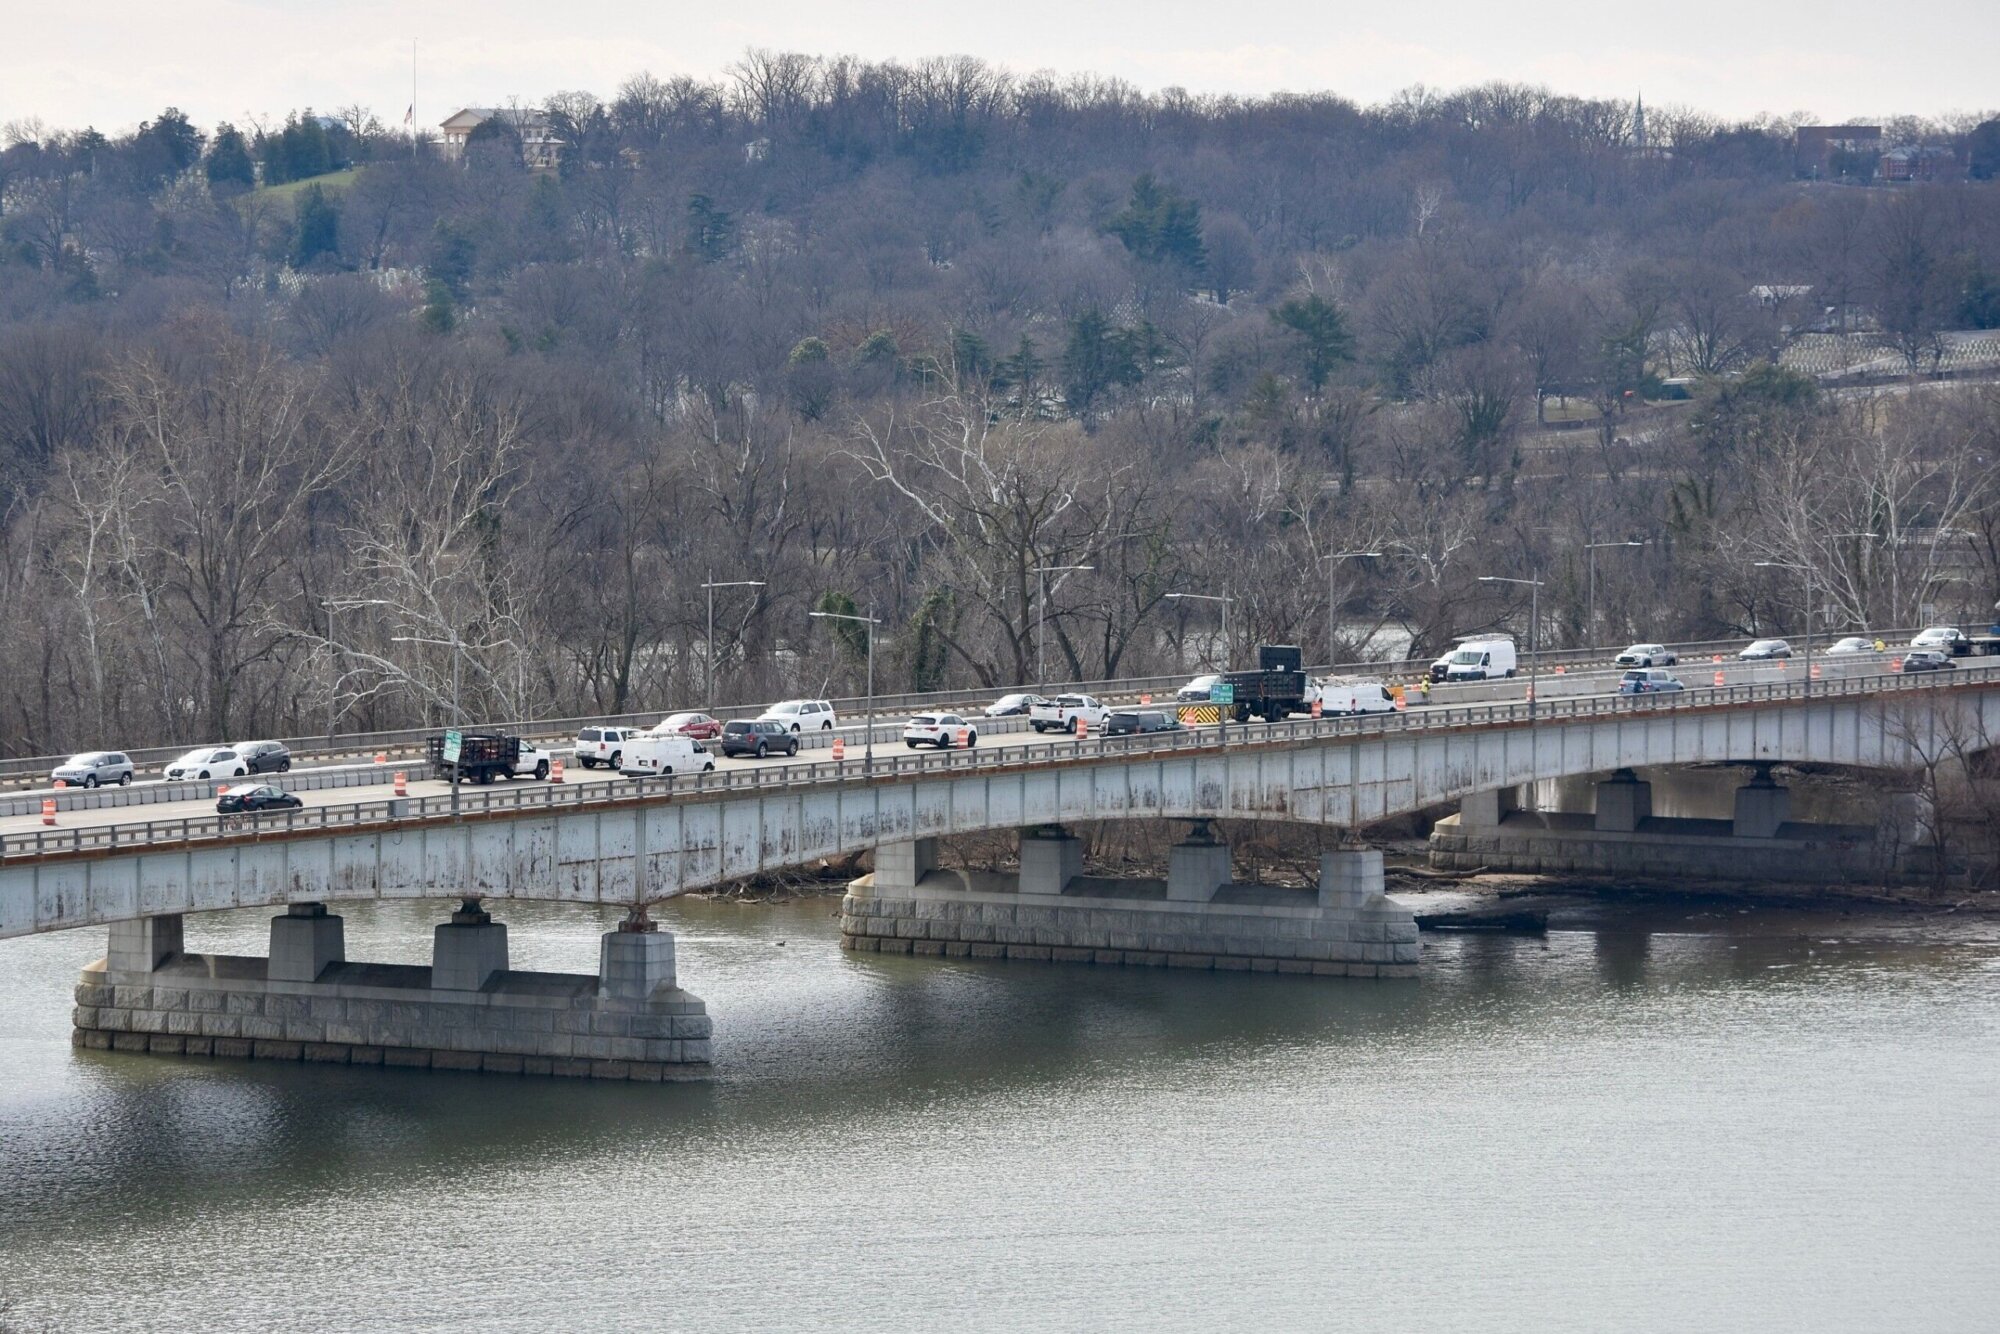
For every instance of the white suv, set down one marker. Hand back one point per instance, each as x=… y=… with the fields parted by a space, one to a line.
x=604 y=745
x=942 y=730
x=801 y=715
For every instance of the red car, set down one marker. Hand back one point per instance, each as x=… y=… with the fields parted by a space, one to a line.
x=697 y=725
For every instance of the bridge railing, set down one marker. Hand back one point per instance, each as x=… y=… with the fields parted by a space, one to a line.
x=480 y=802
x=33 y=770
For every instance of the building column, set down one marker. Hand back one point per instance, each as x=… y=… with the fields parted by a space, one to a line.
x=1351 y=878
x=141 y=946
x=468 y=950
x=1051 y=857
x=1485 y=810
x=1198 y=867
x=1762 y=807
x=635 y=960
x=303 y=942
x=1623 y=801
x=903 y=865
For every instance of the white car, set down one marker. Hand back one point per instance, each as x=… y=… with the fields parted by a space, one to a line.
x=1647 y=655
x=207 y=762
x=1760 y=650
x=938 y=729
x=801 y=715
x=1851 y=644
x=1199 y=689
x=603 y=745
x=659 y=754
x=1944 y=638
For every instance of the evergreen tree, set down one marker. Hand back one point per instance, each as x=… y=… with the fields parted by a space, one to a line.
x=1098 y=357
x=229 y=165
x=318 y=230
x=1323 y=336
x=1161 y=227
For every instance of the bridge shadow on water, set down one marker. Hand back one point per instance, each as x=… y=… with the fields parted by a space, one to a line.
x=813 y=1047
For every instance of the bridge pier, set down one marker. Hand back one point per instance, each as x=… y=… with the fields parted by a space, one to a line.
x=1762 y=807
x=1196 y=918
x=468 y=1011
x=1624 y=802
x=1488 y=809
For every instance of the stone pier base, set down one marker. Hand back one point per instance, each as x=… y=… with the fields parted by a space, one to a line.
x=1345 y=928
x=307 y=1003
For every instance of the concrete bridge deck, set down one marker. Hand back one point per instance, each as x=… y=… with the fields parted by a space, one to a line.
x=627 y=844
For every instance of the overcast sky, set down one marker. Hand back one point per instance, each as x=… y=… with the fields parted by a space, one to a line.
x=115 y=62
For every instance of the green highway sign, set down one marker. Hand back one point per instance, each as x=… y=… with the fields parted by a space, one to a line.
x=454 y=741
x=1222 y=693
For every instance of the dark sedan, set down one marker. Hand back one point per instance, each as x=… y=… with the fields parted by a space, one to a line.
x=260 y=797
x=1927 y=660
x=1013 y=706
x=1130 y=722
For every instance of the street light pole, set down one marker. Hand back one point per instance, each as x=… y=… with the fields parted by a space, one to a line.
x=1534 y=632
x=1042 y=573
x=868 y=744
x=1333 y=559
x=708 y=644
x=1225 y=600
x=1593 y=548
x=333 y=651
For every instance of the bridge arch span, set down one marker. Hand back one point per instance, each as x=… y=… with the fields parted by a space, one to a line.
x=642 y=851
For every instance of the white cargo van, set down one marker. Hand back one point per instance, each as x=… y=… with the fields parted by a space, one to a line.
x=1342 y=695
x=1480 y=660
x=650 y=756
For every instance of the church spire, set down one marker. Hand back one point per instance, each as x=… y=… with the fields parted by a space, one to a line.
x=1639 y=123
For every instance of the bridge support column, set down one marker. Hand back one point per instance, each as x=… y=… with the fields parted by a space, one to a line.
x=1351 y=878
x=1761 y=807
x=141 y=946
x=1485 y=810
x=635 y=960
x=304 y=941
x=902 y=865
x=468 y=950
x=1623 y=802
x=1051 y=857
x=1197 y=867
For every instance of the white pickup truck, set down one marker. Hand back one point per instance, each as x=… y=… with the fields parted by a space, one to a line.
x=1062 y=713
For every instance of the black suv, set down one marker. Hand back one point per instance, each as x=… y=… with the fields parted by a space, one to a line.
x=1128 y=722
x=264 y=757
x=759 y=737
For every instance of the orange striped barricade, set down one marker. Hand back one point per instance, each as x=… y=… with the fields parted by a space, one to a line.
x=1896 y=663
x=1082 y=728
x=48 y=810
x=839 y=749
x=1815 y=672
x=402 y=783
x=1317 y=709
x=964 y=738
x=1718 y=676
x=381 y=757
x=1396 y=693
x=556 y=770
x=1195 y=714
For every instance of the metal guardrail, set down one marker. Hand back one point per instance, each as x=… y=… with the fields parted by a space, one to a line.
x=401 y=743
x=486 y=802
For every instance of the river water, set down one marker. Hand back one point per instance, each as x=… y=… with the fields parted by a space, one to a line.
x=1695 y=1120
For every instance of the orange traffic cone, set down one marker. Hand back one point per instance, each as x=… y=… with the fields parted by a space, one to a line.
x=1145 y=699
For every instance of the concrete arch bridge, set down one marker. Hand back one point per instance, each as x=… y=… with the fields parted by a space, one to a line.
x=631 y=846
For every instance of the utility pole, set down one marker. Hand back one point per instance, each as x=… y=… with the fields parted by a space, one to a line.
x=708 y=644
x=1042 y=572
x=868 y=751
x=1333 y=559
x=1534 y=632
x=1590 y=631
